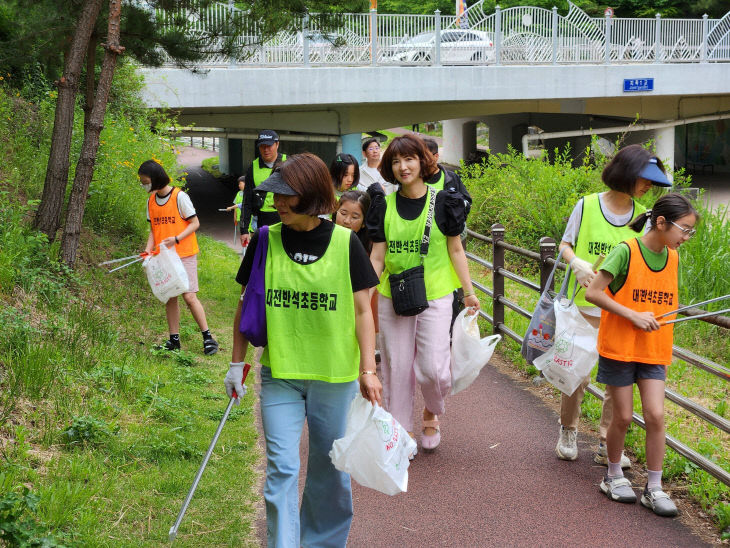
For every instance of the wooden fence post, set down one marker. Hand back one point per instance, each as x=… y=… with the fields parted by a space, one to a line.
x=497 y=277
x=547 y=251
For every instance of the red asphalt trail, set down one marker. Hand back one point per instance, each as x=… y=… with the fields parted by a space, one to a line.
x=495 y=479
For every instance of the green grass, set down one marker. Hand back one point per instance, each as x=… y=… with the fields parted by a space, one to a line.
x=211 y=165
x=100 y=435
x=109 y=434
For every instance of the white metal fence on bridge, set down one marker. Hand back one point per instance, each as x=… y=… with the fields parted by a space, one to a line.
x=513 y=36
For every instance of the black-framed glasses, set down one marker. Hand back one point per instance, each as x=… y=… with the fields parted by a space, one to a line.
x=685 y=231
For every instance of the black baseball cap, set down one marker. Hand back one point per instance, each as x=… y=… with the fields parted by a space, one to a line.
x=267 y=137
x=276 y=184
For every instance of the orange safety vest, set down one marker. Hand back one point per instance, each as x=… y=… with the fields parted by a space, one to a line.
x=166 y=222
x=644 y=290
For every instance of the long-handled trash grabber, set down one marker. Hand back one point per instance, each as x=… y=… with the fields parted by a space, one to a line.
x=173 y=530
x=136 y=259
x=695 y=305
x=118 y=260
x=697 y=317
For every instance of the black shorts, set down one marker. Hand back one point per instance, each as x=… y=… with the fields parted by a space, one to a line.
x=617 y=373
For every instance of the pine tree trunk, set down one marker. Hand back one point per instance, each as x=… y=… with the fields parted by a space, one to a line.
x=90 y=77
x=48 y=216
x=90 y=146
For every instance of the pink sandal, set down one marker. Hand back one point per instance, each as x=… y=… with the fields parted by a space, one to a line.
x=431 y=442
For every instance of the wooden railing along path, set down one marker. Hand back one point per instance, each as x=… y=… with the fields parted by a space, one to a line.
x=546 y=260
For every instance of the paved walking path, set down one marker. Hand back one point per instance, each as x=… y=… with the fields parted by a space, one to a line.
x=495 y=479
x=208 y=195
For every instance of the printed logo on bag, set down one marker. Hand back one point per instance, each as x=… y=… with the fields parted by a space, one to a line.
x=301 y=300
x=388 y=432
x=652 y=296
x=564 y=344
x=404 y=246
x=160 y=277
x=541 y=338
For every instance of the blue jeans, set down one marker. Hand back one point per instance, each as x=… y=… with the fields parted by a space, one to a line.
x=326 y=511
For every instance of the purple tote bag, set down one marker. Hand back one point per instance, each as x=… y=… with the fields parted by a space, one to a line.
x=253 y=309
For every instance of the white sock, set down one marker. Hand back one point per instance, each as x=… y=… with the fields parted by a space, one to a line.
x=614 y=470
x=655 y=479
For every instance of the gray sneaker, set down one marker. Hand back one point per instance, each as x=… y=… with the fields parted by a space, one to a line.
x=618 y=489
x=659 y=502
x=567 y=447
x=601 y=457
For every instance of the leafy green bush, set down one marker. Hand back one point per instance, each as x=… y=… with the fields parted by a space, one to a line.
x=211 y=165
x=531 y=198
x=18 y=523
x=87 y=430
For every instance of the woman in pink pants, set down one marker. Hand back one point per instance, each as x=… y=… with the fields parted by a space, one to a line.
x=416 y=348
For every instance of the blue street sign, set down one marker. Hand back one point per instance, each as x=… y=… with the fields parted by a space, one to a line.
x=639 y=84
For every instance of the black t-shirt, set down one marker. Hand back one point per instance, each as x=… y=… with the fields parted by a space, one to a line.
x=307 y=247
x=449 y=212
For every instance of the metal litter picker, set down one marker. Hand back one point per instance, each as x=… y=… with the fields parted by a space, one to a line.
x=698 y=316
x=173 y=529
x=132 y=259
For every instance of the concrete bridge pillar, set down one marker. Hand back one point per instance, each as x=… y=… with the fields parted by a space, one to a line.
x=352 y=144
x=223 y=155
x=664 y=138
x=500 y=132
x=230 y=156
x=460 y=139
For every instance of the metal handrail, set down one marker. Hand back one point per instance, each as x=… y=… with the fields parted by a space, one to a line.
x=547 y=248
x=520 y=35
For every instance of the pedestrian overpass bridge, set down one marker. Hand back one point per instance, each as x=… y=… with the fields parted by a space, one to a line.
x=570 y=75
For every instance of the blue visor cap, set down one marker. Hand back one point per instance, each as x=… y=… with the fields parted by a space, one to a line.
x=652 y=173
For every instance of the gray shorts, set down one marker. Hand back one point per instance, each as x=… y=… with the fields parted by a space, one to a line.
x=191 y=267
x=616 y=373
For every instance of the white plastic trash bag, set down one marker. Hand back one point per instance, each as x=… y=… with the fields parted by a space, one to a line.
x=469 y=352
x=166 y=274
x=574 y=352
x=375 y=448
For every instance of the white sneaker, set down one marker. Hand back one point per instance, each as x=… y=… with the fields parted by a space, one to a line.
x=601 y=457
x=567 y=447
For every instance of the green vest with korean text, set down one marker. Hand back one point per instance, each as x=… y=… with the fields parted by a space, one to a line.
x=260 y=174
x=403 y=245
x=439 y=185
x=596 y=235
x=310 y=313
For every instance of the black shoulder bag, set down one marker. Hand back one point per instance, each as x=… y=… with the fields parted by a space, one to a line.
x=408 y=288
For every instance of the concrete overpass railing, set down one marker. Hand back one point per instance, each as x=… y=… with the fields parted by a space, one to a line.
x=513 y=36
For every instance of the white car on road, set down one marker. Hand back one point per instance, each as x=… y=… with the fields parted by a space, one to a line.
x=458 y=46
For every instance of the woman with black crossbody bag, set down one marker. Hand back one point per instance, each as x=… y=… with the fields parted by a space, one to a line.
x=418 y=255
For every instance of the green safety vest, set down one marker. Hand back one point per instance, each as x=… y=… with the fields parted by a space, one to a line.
x=403 y=248
x=439 y=185
x=238 y=200
x=310 y=313
x=596 y=235
x=260 y=174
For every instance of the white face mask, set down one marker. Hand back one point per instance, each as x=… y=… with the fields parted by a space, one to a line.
x=147 y=187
